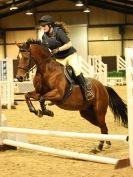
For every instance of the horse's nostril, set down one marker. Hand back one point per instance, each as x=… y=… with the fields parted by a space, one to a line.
x=20 y=79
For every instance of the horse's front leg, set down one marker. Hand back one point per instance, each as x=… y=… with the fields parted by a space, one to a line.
x=36 y=97
x=43 y=108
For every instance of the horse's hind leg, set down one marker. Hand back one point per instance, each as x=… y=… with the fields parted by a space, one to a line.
x=97 y=120
x=100 y=116
x=104 y=130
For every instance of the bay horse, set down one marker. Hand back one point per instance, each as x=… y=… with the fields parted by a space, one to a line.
x=51 y=84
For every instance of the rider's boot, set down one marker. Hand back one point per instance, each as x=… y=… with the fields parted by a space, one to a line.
x=86 y=88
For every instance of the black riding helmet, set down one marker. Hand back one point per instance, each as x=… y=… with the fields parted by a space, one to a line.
x=45 y=20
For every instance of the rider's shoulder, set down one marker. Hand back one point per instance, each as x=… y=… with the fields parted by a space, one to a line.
x=57 y=29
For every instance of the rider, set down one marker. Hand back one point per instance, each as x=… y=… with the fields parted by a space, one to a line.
x=56 y=39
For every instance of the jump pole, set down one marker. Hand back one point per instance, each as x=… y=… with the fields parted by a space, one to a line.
x=6 y=140
x=129 y=79
x=63 y=153
x=65 y=134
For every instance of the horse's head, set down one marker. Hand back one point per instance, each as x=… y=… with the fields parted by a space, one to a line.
x=24 y=61
x=30 y=53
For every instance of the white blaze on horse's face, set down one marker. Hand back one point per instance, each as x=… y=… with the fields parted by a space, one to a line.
x=24 y=59
x=19 y=55
x=23 y=64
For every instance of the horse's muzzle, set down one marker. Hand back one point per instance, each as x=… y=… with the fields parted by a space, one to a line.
x=20 y=79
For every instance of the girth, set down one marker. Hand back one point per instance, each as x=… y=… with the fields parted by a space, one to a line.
x=70 y=76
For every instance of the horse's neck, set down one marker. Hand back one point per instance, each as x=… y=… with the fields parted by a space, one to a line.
x=33 y=63
x=39 y=62
x=51 y=66
x=44 y=61
x=40 y=54
x=58 y=69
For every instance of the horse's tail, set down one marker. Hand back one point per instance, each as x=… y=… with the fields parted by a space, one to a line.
x=117 y=106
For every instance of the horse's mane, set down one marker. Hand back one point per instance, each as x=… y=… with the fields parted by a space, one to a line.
x=33 y=41
x=26 y=45
x=38 y=42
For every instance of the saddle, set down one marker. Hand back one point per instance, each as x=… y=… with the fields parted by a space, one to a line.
x=70 y=75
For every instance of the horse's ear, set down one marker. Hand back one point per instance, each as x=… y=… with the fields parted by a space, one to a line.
x=30 y=46
x=18 y=44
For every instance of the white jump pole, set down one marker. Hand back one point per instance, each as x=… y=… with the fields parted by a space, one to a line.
x=65 y=134
x=129 y=78
x=64 y=153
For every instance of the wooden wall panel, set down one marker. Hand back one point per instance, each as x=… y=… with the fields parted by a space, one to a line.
x=105 y=48
x=1 y=52
x=128 y=32
x=128 y=44
x=103 y=16
x=103 y=33
x=20 y=36
x=12 y=51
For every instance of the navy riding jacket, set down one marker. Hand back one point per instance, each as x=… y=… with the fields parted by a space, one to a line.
x=58 y=39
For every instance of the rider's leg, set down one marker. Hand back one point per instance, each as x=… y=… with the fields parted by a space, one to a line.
x=85 y=87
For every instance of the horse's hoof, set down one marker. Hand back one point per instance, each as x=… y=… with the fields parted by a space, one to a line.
x=95 y=150
x=50 y=104
x=107 y=146
x=125 y=125
x=39 y=113
x=49 y=113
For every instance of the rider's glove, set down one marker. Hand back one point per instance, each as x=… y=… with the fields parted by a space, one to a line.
x=54 y=51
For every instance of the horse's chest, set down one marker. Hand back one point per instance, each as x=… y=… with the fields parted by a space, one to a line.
x=42 y=85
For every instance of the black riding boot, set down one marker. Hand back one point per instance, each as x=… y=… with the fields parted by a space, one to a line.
x=86 y=88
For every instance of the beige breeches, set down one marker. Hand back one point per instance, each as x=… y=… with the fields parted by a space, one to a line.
x=71 y=60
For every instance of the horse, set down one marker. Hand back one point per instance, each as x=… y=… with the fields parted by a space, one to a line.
x=52 y=84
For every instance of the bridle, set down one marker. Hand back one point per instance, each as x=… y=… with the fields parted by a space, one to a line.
x=28 y=68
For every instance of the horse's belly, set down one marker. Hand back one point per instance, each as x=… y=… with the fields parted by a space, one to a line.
x=75 y=101
x=73 y=107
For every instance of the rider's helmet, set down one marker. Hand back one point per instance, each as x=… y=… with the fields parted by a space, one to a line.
x=46 y=20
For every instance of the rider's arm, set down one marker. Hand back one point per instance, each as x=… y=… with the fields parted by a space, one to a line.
x=65 y=46
x=64 y=39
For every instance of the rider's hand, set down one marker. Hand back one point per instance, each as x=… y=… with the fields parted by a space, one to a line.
x=54 y=51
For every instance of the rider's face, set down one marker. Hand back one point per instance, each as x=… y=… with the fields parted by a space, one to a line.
x=45 y=28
